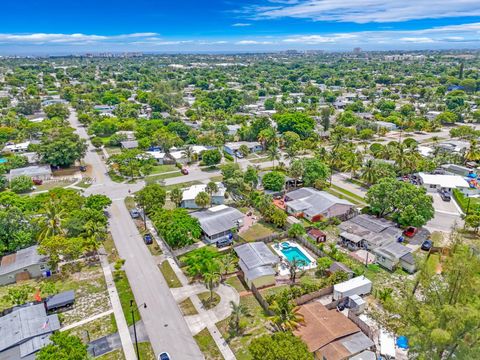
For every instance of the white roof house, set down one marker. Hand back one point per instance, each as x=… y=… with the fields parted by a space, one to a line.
x=20 y=147
x=439 y=181
x=192 y=192
x=43 y=172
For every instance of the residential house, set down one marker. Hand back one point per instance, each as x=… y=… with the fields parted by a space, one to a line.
x=436 y=182
x=129 y=144
x=189 y=195
x=368 y=232
x=232 y=148
x=40 y=172
x=385 y=125
x=23 y=265
x=395 y=255
x=178 y=155
x=233 y=129
x=16 y=148
x=25 y=330
x=258 y=263
x=315 y=205
x=218 y=222
x=329 y=334
x=160 y=157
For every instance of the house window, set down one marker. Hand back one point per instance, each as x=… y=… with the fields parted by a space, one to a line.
x=42 y=267
x=432 y=186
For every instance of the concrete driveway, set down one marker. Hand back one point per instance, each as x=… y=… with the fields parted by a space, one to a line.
x=447 y=214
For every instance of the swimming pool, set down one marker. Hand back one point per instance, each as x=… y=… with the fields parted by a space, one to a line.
x=294 y=253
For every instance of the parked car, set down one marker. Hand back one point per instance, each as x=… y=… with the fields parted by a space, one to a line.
x=37 y=181
x=134 y=213
x=410 y=231
x=427 y=245
x=224 y=242
x=445 y=196
x=184 y=171
x=147 y=238
x=83 y=168
x=164 y=356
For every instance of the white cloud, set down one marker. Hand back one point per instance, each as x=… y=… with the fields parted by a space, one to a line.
x=418 y=40
x=365 y=11
x=253 y=42
x=241 y=24
x=319 y=39
x=74 y=39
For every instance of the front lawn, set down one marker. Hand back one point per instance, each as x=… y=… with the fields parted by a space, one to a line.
x=156 y=178
x=169 y=275
x=257 y=231
x=96 y=329
x=125 y=294
x=159 y=169
x=207 y=345
x=187 y=307
x=207 y=302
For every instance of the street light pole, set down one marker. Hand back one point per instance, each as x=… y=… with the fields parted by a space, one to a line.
x=132 y=310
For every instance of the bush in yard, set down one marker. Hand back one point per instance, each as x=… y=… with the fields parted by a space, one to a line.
x=177 y=227
x=279 y=346
x=296 y=230
x=63 y=346
x=97 y=142
x=21 y=184
x=273 y=181
x=211 y=157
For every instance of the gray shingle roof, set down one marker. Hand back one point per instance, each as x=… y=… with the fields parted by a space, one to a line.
x=256 y=254
x=22 y=259
x=32 y=171
x=218 y=219
x=313 y=202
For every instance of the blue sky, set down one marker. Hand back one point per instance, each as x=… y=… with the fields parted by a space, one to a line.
x=60 y=26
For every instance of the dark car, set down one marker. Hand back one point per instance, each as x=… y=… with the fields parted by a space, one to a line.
x=427 y=245
x=147 y=238
x=224 y=242
x=445 y=196
x=164 y=356
x=184 y=171
x=83 y=168
x=134 y=213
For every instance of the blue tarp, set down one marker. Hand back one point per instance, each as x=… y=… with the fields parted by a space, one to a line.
x=402 y=342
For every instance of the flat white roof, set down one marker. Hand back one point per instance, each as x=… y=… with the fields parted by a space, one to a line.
x=444 y=181
x=192 y=192
x=351 y=284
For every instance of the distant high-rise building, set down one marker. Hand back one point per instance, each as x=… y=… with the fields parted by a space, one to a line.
x=357 y=50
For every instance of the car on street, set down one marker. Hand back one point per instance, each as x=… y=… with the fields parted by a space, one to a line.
x=427 y=245
x=410 y=231
x=134 y=213
x=147 y=238
x=184 y=171
x=445 y=196
x=164 y=356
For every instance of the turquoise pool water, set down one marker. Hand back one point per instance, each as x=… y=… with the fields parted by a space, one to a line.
x=295 y=253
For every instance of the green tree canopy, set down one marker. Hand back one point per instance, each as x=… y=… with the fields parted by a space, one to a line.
x=279 y=346
x=274 y=181
x=177 y=227
x=63 y=346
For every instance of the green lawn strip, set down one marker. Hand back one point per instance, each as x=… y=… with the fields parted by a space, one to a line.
x=463 y=201
x=146 y=353
x=112 y=355
x=155 y=178
x=84 y=184
x=348 y=193
x=253 y=325
x=205 y=299
x=159 y=169
x=207 y=345
x=95 y=329
x=181 y=185
x=155 y=249
x=53 y=184
x=112 y=150
x=129 y=202
x=169 y=275
x=187 y=307
x=125 y=294
x=257 y=231
x=235 y=282
x=343 y=196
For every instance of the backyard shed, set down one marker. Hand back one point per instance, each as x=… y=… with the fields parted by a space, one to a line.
x=359 y=285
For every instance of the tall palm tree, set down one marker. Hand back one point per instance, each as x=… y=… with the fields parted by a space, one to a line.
x=211 y=189
x=238 y=310
x=211 y=280
x=51 y=219
x=176 y=196
x=352 y=163
x=226 y=264
x=291 y=153
x=273 y=154
x=188 y=153
x=473 y=153
x=286 y=316
x=202 y=199
x=369 y=172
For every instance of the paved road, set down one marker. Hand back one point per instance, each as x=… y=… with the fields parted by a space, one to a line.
x=162 y=318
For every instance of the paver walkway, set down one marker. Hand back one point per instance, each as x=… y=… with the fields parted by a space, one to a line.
x=87 y=320
x=127 y=344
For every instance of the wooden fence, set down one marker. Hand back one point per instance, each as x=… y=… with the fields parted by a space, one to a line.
x=261 y=300
x=314 y=295
x=313 y=248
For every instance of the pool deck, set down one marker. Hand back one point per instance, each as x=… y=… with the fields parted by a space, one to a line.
x=283 y=268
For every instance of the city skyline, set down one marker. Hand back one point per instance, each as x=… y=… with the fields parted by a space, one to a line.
x=226 y=26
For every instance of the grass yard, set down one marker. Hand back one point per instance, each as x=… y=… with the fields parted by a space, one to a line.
x=343 y=196
x=155 y=249
x=254 y=326
x=207 y=345
x=96 y=329
x=54 y=184
x=85 y=183
x=116 y=177
x=146 y=353
x=187 y=307
x=129 y=202
x=112 y=150
x=159 y=169
x=235 y=282
x=169 y=275
x=110 y=249
x=125 y=294
x=259 y=160
x=156 y=178
x=257 y=231
x=348 y=193
x=205 y=299
x=181 y=185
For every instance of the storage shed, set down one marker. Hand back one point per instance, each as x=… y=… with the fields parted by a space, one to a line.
x=359 y=285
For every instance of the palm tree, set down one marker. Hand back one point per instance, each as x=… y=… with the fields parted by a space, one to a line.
x=352 y=163
x=296 y=170
x=226 y=263
x=369 y=172
x=238 y=310
x=188 y=153
x=50 y=219
x=273 y=154
x=211 y=280
x=473 y=153
x=291 y=153
x=211 y=189
x=293 y=267
x=176 y=196
x=286 y=316
x=202 y=199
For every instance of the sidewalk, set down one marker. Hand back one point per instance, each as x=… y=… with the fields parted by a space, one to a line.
x=127 y=344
